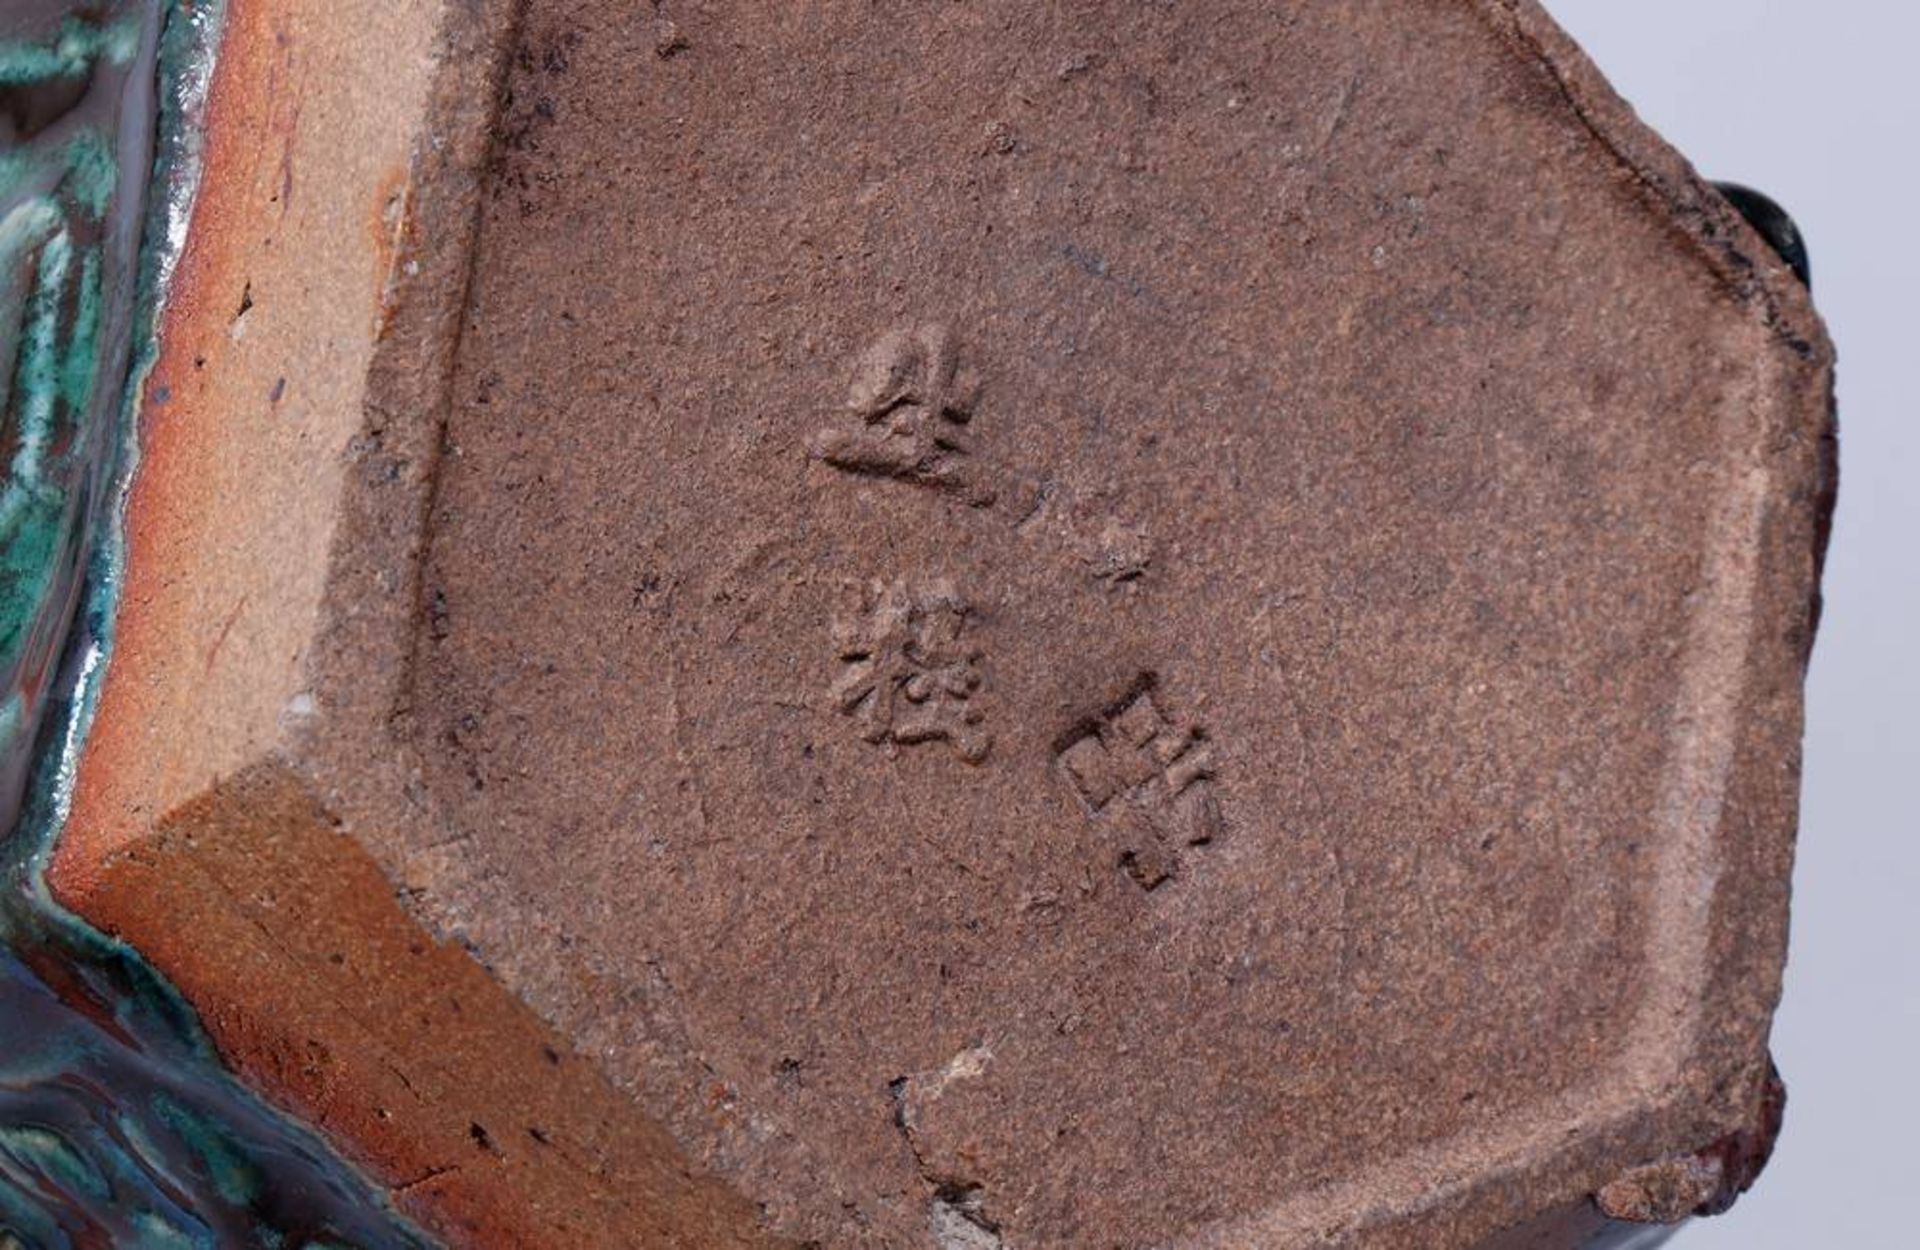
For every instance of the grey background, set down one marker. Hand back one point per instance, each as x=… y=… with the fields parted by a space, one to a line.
x=1818 y=104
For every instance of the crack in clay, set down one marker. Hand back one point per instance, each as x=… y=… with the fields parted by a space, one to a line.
x=956 y=1210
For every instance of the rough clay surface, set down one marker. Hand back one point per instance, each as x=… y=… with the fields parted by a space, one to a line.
x=1042 y=627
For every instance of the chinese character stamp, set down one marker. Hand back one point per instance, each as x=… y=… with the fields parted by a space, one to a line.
x=909 y=676
x=908 y=410
x=1150 y=780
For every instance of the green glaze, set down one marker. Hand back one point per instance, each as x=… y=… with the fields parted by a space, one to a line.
x=72 y=52
x=55 y=195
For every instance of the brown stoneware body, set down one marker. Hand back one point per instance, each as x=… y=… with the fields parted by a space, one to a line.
x=969 y=625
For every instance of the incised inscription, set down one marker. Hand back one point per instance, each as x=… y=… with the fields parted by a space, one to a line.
x=909 y=676
x=1150 y=781
x=908 y=411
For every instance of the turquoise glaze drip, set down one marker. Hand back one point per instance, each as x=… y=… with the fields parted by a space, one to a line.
x=118 y=1126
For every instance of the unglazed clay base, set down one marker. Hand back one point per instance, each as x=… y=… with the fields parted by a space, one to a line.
x=970 y=625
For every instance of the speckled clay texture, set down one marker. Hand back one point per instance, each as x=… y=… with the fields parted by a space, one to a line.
x=1000 y=625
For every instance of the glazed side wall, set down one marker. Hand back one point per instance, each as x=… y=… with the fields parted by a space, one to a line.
x=309 y=977
x=275 y=312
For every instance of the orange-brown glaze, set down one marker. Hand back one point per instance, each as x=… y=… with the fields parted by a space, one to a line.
x=315 y=984
x=270 y=321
